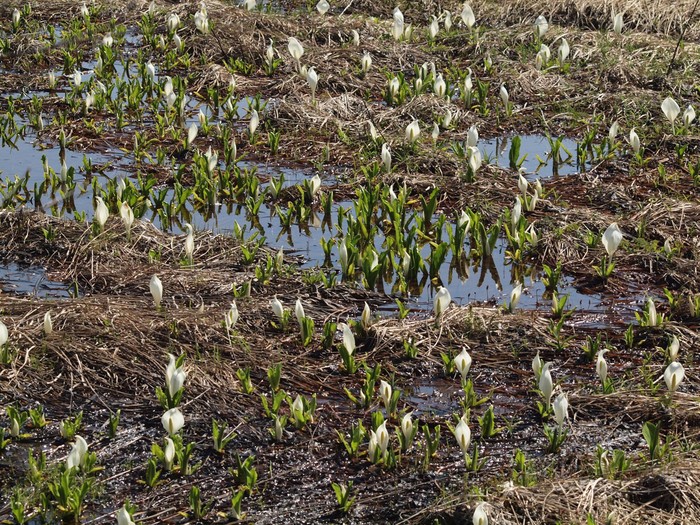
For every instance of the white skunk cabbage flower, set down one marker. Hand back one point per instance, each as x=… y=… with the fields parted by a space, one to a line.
x=563 y=51
x=382 y=435
x=312 y=79
x=151 y=71
x=467 y=15
x=385 y=392
x=433 y=28
x=439 y=86
x=189 y=241
x=365 y=62
x=670 y=109
x=503 y=93
x=472 y=137
x=448 y=20
x=201 y=20
x=463 y=362
x=348 y=339
x=634 y=141
x=537 y=365
x=174 y=376
x=77 y=453
x=173 y=421
x=394 y=86
x=127 y=215
x=372 y=131
x=480 y=517
x=407 y=427
x=277 y=308
x=231 y=317
x=172 y=22
x=123 y=517
x=612 y=237
x=101 y=212
x=386 y=157
x=315 y=184
x=254 y=122
x=464 y=221
x=652 y=318
x=156 y=288
x=688 y=116
x=618 y=23
x=192 y=134
x=397 y=29
x=463 y=435
x=412 y=131
x=366 y=317
x=546 y=385
x=3 y=334
x=295 y=49
x=673 y=348
x=475 y=158
x=48 y=324
x=323 y=6
x=441 y=301
x=299 y=311
x=169 y=453
x=601 y=366
x=561 y=409
x=516 y=214
x=522 y=184
x=515 y=294
x=674 y=375
x=541 y=26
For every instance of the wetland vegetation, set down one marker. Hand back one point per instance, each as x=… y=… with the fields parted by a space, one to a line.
x=409 y=262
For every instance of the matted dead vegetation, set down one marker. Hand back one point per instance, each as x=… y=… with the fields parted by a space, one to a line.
x=110 y=345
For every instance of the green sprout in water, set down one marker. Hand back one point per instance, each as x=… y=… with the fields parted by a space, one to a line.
x=342 y=496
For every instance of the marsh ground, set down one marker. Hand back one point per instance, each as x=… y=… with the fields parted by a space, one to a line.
x=122 y=134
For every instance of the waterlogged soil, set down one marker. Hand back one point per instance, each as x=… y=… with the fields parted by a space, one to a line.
x=261 y=231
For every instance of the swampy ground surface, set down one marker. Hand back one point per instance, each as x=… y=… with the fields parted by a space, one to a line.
x=118 y=131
